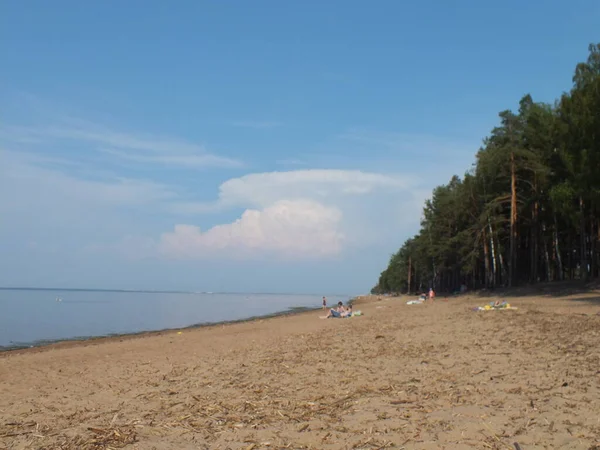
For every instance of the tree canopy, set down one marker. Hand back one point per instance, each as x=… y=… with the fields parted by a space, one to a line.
x=527 y=211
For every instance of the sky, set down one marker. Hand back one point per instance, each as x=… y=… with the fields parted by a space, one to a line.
x=260 y=146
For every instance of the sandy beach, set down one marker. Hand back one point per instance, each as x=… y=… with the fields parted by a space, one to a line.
x=435 y=376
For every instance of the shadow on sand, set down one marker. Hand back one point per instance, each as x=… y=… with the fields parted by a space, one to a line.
x=550 y=289
x=592 y=300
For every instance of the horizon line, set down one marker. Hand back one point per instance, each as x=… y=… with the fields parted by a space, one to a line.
x=157 y=291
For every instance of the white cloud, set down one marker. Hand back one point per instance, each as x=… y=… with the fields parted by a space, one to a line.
x=296 y=213
x=292 y=229
x=261 y=189
x=342 y=188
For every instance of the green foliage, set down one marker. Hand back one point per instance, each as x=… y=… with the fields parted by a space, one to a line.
x=551 y=153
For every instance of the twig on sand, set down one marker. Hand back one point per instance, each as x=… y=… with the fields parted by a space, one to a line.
x=337 y=402
x=20 y=433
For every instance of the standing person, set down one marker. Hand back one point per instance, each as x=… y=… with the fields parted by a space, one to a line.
x=431 y=294
x=324 y=302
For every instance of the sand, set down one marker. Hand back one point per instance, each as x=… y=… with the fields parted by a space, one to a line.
x=415 y=377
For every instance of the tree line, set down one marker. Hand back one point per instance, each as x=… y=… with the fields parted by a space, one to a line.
x=527 y=211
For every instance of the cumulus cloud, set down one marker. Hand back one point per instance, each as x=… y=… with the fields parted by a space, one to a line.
x=288 y=228
x=296 y=213
x=264 y=188
x=324 y=185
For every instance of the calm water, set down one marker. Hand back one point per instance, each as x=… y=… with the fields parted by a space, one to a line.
x=29 y=317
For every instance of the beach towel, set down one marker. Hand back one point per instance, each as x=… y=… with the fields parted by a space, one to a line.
x=419 y=301
x=336 y=315
x=354 y=314
x=493 y=307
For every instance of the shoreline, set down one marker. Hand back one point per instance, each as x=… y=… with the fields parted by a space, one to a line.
x=46 y=345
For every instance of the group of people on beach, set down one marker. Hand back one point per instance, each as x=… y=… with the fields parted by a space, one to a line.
x=426 y=296
x=338 y=312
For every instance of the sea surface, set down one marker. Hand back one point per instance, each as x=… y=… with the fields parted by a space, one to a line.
x=35 y=317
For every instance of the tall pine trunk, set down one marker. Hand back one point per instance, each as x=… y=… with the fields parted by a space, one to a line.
x=547 y=260
x=570 y=249
x=547 y=264
x=493 y=248
x=513 y=220
x=561 y=273
x=486 y=259
x=583 y=257
x=597 y=242
x=533 y=276
x=593 y=242
x=409 y=273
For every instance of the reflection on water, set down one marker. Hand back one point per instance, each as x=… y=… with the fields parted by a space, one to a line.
x=35 y=316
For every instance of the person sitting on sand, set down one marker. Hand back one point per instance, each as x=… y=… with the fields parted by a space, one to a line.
x=336 y=312
x=348 y=311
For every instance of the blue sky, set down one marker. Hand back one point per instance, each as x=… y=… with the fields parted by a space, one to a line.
x=251 y=146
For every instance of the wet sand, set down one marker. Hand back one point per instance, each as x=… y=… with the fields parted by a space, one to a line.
x=414 y=377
